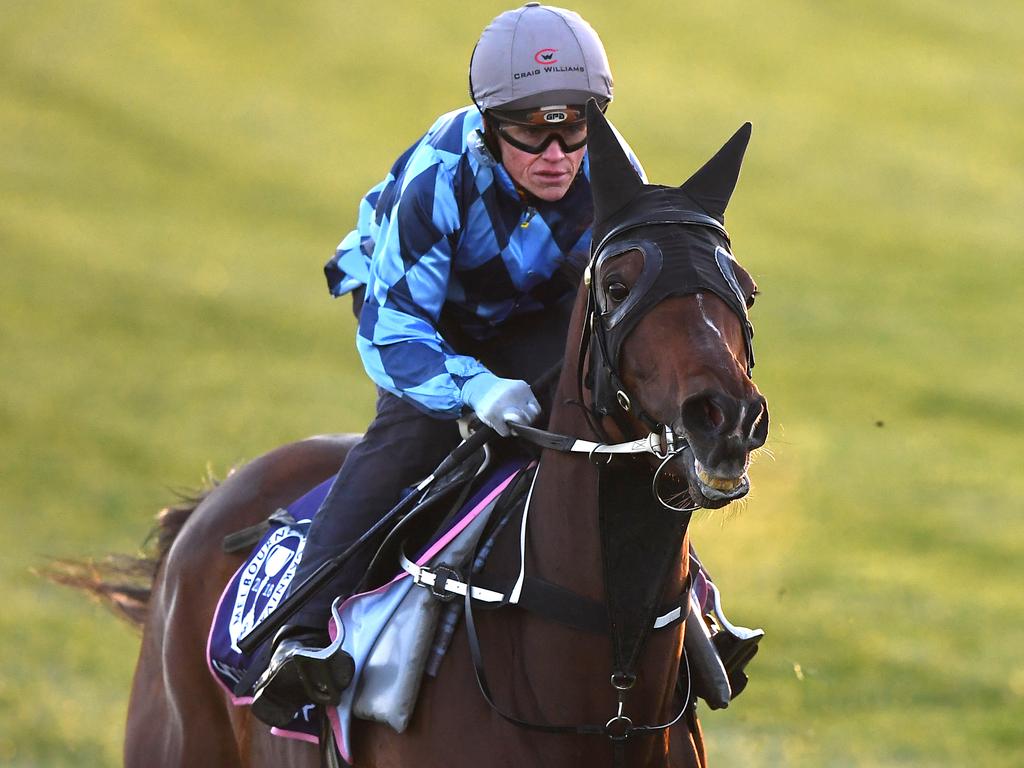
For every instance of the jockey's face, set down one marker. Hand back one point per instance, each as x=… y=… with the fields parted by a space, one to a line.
x=548 y=175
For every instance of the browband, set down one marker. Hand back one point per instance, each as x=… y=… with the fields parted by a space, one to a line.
x=662 y=216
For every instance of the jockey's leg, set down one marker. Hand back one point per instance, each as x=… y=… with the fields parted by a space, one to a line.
x=401 y=446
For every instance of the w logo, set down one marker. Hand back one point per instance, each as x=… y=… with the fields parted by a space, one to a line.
x=546 y=56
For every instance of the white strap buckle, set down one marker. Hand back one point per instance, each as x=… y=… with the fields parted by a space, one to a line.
x=424 y=577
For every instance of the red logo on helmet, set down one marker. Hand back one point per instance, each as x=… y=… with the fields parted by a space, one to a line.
x=546 y=56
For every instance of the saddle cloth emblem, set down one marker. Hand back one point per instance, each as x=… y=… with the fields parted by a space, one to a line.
x=264 y=581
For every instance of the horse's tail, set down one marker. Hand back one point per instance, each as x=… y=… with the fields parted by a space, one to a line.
x=124 y=583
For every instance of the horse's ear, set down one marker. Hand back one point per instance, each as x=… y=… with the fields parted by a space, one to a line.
x=712 y=186
x=613 y=179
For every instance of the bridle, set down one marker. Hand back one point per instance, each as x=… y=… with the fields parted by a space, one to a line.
x=610 y=327
x=605 y=328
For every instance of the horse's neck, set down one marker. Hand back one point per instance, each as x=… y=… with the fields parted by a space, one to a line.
x=563 y=534
x=564 y=547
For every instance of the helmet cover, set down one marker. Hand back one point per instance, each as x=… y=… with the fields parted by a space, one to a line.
x=538 y=53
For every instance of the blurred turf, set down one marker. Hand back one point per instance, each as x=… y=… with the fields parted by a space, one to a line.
x=174 y=174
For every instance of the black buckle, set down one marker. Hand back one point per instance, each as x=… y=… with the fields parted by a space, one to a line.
x=442 y=575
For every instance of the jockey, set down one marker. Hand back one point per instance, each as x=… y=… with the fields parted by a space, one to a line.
x=464 y=267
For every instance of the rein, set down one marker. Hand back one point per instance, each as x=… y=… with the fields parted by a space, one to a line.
x=665 y=446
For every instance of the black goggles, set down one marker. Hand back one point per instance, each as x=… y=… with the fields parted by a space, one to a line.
x=533 y=130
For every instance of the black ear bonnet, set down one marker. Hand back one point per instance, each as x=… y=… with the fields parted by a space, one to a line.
x=685 y=246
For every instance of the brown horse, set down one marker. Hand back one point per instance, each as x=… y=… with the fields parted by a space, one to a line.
x=663 y=349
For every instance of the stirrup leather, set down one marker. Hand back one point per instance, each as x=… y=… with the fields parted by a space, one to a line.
x=718 y=652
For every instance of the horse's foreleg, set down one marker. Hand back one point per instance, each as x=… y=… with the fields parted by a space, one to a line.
x=686 y=744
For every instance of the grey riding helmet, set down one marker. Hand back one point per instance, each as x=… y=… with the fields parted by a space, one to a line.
x=538 y=56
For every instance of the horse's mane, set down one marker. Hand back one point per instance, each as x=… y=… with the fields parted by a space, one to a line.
x=124 y=583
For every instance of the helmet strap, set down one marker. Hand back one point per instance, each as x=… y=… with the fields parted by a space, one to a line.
x=490 y=134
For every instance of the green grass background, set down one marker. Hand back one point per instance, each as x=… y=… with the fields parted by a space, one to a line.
x=174 y=174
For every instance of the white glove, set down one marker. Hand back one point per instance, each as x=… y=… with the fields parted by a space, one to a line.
x=497 y=401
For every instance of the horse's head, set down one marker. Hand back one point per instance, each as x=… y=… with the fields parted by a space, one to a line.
x=672 y=342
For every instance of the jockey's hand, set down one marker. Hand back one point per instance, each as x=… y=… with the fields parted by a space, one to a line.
x=500 y=401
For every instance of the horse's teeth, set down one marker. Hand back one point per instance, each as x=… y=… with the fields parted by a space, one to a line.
x=713 y=482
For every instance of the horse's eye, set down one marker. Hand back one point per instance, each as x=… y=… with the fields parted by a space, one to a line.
x=617 y=291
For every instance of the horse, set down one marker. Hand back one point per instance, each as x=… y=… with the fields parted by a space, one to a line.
x=658 y=354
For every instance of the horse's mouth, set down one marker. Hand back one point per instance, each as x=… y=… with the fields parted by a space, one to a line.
x=706 y=489
x=720 y=487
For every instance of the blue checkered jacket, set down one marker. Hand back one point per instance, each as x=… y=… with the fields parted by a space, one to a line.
x=447 y=229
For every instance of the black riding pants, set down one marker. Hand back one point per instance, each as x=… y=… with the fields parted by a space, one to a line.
x=403 y=445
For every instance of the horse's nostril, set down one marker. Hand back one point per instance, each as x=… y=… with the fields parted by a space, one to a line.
x=757 y=423
x=704 y=414
x=713 y=414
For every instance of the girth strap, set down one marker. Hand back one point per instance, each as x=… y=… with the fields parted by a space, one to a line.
x=476 y=655
x=543 y=598
x=558 y=604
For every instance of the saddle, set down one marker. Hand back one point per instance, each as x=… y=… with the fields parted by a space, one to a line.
x=386 y=619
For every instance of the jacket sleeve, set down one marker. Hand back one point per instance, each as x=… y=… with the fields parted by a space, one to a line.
x=398 y=340
x=349 y=267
